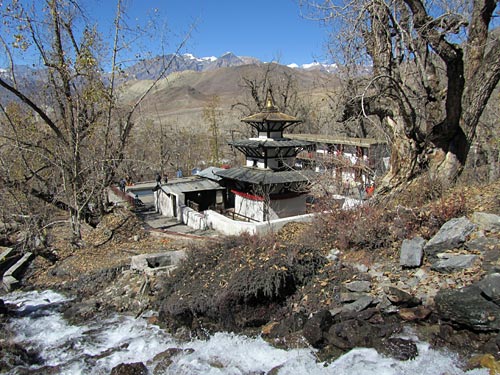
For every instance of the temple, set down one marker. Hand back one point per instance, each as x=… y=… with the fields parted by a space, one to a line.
x=268 y=187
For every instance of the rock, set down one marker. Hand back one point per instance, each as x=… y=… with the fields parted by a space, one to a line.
x=484 y=361
x=137 y=368
x=358 y=305
x=275 y=370
x=350 y=297
x=490 y=286
x=3 y=309
x=401 y=298
x=412 y=252
x=400 y=349
x=15 y=355
x=358 y=286
x=164 y=359
x=315 y=326
x=487 y=222
x=268 y=328
x=421 y=274
x=366 y=314
x=490 y=252
x=483 y=244
x=352 y=333
x=349 y=334
x=452 y=234
x=454 y=262
x=333 y=255
x=414 y=313
x=467 y=307
x=285 y=327
x=360 y=267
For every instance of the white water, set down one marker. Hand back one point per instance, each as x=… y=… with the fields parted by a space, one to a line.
x=100 y=345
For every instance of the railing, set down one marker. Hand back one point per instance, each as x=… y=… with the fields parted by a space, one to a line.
x=124 y=195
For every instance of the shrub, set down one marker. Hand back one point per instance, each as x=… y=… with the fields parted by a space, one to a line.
x=363 y=227
x=238 y=276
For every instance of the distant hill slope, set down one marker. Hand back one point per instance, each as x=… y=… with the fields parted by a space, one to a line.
x=181 y=96
x=191 y=82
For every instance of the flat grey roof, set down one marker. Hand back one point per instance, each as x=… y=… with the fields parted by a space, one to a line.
x=210 y=173
x=335 y=139
x=190 y=184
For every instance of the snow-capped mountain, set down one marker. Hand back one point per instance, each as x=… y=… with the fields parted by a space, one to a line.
x=330 y=68
x=148 y=69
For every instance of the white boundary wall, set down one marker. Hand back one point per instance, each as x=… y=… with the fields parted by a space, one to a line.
x=229 y=227
x=213 y=220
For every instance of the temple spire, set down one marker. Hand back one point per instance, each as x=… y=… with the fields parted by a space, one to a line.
x=270 y=107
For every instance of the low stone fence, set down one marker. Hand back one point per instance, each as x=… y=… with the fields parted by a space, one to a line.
x=193 y=218
x=213 y=220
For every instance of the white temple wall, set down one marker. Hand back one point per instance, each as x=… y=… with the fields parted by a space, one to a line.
x=253 y=209
x=258 y=163
x=273 y=135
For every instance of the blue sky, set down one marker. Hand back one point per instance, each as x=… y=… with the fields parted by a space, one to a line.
x=270 y=30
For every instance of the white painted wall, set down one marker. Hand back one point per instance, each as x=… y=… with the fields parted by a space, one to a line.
x=226 y=226
x=193 y=219
x=250 y=208
x=165 y=206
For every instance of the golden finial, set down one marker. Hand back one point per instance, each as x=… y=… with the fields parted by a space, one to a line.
x=270 y=107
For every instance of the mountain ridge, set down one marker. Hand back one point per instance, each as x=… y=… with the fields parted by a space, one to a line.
x=170 y=63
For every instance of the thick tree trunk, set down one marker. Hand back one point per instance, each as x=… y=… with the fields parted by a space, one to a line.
x=410 y=161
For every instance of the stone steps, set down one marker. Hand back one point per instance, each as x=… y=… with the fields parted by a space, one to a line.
x=11 y=267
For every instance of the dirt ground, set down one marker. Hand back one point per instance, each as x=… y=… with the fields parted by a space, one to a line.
x=120 y=236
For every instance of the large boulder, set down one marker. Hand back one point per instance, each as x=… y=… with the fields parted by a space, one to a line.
x=468 y=308
x=316 y=327
x=412 y=252
x=453 y=262
x=490 y=286
x=452 y=234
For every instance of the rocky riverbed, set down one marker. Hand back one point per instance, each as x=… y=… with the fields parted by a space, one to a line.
x=445 y=288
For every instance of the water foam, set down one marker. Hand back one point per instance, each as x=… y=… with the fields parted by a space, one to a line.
x=102 y=344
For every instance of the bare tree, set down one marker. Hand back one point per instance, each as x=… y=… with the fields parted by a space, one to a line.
x=74 y=128
x=432 y=69
x=275 y=78
x=212 y=116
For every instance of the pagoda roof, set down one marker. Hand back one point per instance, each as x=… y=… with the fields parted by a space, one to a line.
x=272 y=143
x=270 y=113
x=266 y=116
x=264 y=176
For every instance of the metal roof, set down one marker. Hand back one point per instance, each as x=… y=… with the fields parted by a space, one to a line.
x=191 y=184
x=335 y=139
x=264 y=177
x=210 y=173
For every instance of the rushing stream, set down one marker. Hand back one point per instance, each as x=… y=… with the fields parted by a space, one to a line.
x=102 y=344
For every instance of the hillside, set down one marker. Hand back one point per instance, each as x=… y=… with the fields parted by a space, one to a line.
x=181 y=96
x=304 y=282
